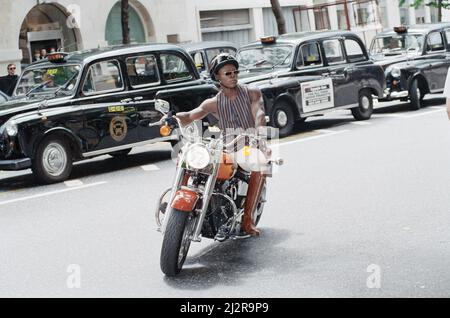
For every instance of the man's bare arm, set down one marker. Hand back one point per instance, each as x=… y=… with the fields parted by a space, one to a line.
x=209 y=106
x=258 y=110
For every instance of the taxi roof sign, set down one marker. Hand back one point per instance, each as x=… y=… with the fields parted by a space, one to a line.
x=268 y=40
x=401 y=29
x=57 y=57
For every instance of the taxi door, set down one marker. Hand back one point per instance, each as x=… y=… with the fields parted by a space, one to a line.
x=336 y=69
x=109 y=123
x=319 y=94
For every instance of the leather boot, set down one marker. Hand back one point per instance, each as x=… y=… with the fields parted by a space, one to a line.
x=256 y=184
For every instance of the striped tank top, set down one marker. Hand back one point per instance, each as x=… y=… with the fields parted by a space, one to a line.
x=236 y=114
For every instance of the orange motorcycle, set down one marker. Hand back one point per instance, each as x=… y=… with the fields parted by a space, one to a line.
x=209 y=191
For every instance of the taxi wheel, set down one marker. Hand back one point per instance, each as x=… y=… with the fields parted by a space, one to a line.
x=415 y=95
x=283 y=119
x=121 y=153
x=365 y=109
x=53 y=161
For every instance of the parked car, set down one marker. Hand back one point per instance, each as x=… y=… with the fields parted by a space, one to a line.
x=85 y=104
x=3 y=97
x=309 y=74
x=415 y=59
x=203 y=52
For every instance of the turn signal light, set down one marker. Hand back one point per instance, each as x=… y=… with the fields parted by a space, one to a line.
x=165 y=131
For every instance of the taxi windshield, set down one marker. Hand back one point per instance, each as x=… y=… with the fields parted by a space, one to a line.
x=266 y=57
x=51 y=79
x=397 y=44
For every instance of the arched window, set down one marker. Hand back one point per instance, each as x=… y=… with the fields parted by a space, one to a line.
x=114 y=26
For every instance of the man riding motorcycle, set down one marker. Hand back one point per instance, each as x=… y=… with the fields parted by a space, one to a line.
x=236 y=107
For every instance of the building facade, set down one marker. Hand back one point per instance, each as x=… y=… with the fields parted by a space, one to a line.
x=28 y=26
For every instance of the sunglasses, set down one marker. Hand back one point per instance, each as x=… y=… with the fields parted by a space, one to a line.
x=231 y=73
x=12 y=68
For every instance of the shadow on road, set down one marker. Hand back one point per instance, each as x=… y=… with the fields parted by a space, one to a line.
x=230 y=262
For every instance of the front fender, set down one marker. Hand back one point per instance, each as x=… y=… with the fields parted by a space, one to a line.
x=75 y=141
x=185 y=200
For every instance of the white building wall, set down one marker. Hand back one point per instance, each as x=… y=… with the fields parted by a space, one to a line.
x=165 y=17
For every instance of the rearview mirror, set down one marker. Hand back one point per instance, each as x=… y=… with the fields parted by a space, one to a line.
x=162 y=106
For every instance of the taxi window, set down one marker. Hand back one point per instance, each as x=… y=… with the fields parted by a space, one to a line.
x=143 y=71
x=435 y=42
x=103 y=77
x=333 y=51
x=354 y=50
x=174 y=68
x=309 y=55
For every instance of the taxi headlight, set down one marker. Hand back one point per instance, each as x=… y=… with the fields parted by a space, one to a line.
x=198 y=157
x=11 y=128
x=396 y=72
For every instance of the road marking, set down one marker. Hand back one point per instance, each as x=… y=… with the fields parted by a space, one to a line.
x=438 y=107
x=150 y=168
x=360 y=123
x=52 y=193
x=327 y=133
x=437 y=110
x=425 y=113
x=73 y=183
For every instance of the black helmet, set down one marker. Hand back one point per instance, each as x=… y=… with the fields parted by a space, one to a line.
x=220 y=61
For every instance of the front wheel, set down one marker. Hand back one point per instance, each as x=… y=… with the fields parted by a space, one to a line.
x=53 y=161
x=176 y=242
x=365 y=108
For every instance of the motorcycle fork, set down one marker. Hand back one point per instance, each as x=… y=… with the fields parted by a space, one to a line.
x=209 y=190
x=178 y=182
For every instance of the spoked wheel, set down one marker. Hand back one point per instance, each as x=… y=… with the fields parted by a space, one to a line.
x=53 y=161
x=176 y=242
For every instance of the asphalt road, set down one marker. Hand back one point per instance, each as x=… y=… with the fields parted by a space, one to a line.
x=358 y=210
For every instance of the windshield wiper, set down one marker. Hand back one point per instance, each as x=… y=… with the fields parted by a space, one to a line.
x=282 y=62
x=66 y=85
x=39 y=86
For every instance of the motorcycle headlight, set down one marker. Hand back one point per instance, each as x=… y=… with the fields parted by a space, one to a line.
x=396 y=72
x=198 y=157
x=11 y=128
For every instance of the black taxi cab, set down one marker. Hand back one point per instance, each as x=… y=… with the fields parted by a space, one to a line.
x=310 y=74
x=416 y=60
x=203 y=52
x=75 y=106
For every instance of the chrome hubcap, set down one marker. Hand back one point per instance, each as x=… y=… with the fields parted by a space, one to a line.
x=282 y=118
x=365 y=103
x=54 y=159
